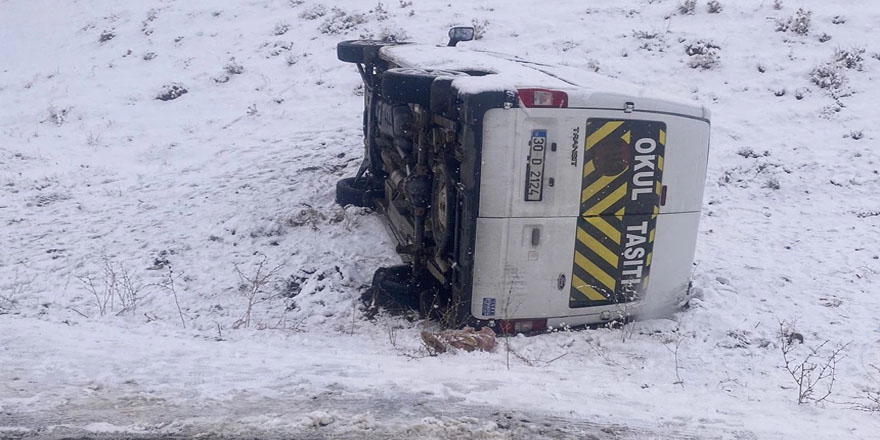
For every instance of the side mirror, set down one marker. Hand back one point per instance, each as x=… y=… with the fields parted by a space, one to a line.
x=460 y=33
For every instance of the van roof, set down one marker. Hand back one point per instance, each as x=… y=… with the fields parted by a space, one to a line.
x=509 y=72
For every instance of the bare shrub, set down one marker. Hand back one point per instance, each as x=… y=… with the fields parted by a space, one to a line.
x=748 y=153
x=253 y=288
x=281 y=29
x=872 y=395
x=315 y=12
x=57 y=115
x=772 y=182
x=11 y=292
x=651 y=40
x=703 y=55
x=171 y=91
x=828 y=77
x=168 y=284
x=394 y=35
x=341 y=22
x=799 y=23
x=380 y=11
x=93 y=140
x=815 y=374
x=115 y=286
x=714 y=7
x=703 y=62
x=777 y=4
x=480 y=27
x=687 y=7
x=851 y=58
x=107 y=35
x=233 y=67
x=672 y=343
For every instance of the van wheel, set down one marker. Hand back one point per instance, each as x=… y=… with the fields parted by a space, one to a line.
x=358 y=192
x=393 y=289
x=359 y=51
x=412 y=86
x=444 y=98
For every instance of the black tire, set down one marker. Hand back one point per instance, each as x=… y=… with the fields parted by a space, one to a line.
x=358 y=192
x=412 y=86
x=359 y=51
x=393 y=289
x=444 y=99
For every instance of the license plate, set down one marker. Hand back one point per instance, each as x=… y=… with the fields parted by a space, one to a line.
x=535 y=166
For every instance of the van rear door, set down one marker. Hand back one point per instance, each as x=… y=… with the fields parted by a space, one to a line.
x=586 y=239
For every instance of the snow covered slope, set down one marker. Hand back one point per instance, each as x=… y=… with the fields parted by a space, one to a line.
x=179 y=266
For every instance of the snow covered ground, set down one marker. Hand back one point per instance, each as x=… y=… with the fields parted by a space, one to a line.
x=132 y=229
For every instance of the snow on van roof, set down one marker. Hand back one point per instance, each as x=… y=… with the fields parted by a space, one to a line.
x=510 y=72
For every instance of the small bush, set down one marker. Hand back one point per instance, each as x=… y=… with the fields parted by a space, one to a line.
x=777 y=4
x=106 y=36
x=341 y=22
x=851 y=58
x=171 y=91
x=149 y=56
x=281 y=29
x=799 y=23
x=233 y=67
x=651 y=40
x=703 y=55
x=704 y=62
x=747 y=153
x=394 y=35
x=772 y=182
x=480 y=27
x=314 y=13
x=57 y=115
x=278 y=48
x=380 y=11
x=701 y=47
x=687 y=7
x=714 y=7
x=838 y=19
x=828 y=77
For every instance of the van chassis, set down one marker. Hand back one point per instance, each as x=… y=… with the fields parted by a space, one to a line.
x=421 y=169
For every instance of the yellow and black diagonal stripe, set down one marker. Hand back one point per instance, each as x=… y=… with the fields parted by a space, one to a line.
x=609 y=206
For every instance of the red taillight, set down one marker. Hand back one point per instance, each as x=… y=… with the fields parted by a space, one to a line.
x=663 y=196
x=522 y=325
x=543 y=98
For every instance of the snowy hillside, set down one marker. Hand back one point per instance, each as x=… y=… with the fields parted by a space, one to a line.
x=179 y=267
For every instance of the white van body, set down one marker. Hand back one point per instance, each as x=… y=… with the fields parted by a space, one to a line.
x=586 y=207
